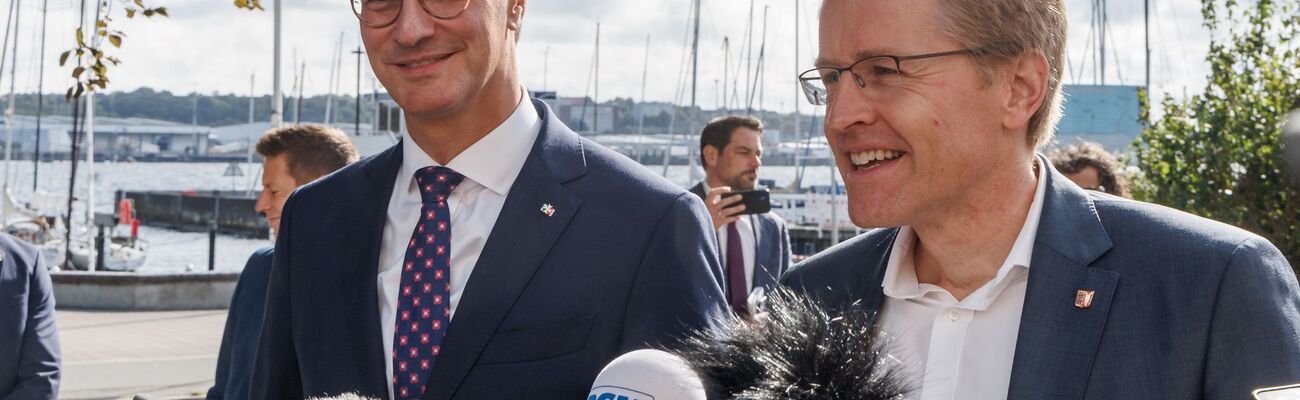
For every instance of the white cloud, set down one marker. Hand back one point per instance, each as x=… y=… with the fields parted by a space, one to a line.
x=211 y=46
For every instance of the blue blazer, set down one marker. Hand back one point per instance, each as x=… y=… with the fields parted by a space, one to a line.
x=1185 y=307
x=625 y=262
x=771 y=243
x=243 y=329
x=29 y=339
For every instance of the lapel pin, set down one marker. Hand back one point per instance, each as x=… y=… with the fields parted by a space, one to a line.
x=1083 y=298
x=548 y=209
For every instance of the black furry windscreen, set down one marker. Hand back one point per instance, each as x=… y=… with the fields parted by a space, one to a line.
x=800 y=350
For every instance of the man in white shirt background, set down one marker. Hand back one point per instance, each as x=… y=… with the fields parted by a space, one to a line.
x=755 y=246
x=996 y=277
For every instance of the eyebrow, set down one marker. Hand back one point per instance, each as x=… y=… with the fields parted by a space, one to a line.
x=823 y=62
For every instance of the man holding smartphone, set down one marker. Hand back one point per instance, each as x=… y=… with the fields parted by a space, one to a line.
x=754 y=242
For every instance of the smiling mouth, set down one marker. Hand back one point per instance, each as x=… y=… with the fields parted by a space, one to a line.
x=424 y=62
x=864 y=160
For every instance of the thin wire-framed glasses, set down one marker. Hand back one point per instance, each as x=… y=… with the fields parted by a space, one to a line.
x=875 y=75
x=381 y=13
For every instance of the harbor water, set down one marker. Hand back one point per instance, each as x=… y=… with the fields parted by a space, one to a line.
x=178 y=251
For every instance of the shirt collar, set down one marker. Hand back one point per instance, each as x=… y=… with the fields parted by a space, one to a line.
x=495 y=160
x=900 y=274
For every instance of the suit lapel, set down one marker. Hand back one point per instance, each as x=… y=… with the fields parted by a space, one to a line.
x=764 y=276
x=381 y=173
x=520 y=240
x=1059 y=336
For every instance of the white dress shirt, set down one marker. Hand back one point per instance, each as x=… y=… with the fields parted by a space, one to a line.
x=745 y=226
x=490 y=167
x=957 y=349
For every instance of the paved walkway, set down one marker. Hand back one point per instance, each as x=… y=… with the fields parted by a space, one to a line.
x=158 y=355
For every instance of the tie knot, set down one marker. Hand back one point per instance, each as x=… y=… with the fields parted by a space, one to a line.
x=436 y=183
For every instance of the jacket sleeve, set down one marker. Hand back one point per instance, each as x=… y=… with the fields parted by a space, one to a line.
x=678 y=284
x=38 y=370
x=1255 y=329
x=275 y=373
x=222 y=378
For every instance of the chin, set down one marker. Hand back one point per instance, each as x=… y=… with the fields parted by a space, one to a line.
x=866 y=212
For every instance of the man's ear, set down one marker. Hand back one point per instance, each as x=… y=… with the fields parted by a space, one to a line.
x=1027 y=82
x=710 y=154
x=515 y=19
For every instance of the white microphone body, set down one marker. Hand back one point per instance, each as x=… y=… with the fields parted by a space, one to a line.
x=647 y=375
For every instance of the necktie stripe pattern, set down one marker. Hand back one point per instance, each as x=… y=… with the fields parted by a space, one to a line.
x=423 y=302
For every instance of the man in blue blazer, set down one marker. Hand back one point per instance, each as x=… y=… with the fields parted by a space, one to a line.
x=999 y=278
x=731 y=151
x=29 y=338
x=492 y=253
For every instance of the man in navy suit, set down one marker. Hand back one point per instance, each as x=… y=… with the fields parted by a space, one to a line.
x=998 y=277
x=492 y=253
x=29 y=339
x=755 y=247
x=293 y=156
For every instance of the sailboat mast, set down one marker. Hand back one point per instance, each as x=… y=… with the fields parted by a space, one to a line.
x=277 y=98
x=695 y=54
x=595 y=112
x=9 y=134
x=1146 y=17
x=40 y=101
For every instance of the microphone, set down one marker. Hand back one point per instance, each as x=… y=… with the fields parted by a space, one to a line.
x=1291 y=147
x=796 y=348
x=647 y=375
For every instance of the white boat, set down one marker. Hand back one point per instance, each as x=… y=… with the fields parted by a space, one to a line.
x=121 y=253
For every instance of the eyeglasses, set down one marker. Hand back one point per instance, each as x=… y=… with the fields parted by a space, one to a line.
x=875 y=75
x=381 y=13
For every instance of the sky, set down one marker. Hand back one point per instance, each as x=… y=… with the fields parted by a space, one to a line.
x=209 y=46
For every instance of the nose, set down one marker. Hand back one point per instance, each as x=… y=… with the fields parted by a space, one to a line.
x=850 y=107
x=263 y=204
x=413 y=24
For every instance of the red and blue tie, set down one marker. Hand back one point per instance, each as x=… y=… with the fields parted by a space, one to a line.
x=424 y=296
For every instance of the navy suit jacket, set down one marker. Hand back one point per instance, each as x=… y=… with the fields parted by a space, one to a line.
x=29 y=339
x=243 y=329
x=1185 y=307
x=771 y=245
x=625 y=262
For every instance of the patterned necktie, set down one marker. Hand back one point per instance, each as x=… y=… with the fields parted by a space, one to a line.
x=424 y=297
x=737 y=295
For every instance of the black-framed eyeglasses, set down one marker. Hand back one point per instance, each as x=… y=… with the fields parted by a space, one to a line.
x=381 y=13
x=875 y=75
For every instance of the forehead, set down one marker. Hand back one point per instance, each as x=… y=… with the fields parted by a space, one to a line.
x=854 y=29
x=746 y=137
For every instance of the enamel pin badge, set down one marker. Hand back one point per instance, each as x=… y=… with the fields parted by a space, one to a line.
x=1083 y=299
x=548 y=209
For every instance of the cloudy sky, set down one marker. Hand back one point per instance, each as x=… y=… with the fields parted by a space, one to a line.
x=210 y=46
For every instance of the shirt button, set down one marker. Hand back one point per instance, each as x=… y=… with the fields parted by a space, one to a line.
x=953 y=315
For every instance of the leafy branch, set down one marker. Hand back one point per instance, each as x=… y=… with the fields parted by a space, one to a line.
x=92 y=62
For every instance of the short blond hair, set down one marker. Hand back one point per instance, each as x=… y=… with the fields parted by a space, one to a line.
x=312 y=151
x=1005 y=29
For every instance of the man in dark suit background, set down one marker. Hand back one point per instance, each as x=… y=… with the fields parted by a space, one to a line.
x=492 y=253
x=998 y=277
x=731 y=150
x=29 y=338
x=292 y=156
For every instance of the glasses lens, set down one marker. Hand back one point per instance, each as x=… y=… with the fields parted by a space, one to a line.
x=376 y=12
x=814 y=85
x=445 y=9
x=877 y=75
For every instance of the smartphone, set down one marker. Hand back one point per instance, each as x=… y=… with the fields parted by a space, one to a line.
x=756 y=201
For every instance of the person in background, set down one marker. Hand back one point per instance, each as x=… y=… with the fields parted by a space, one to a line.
x=1091 y=167
x=997 y=277
x=292 y=156
x=755 y=247
x=29 y=337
